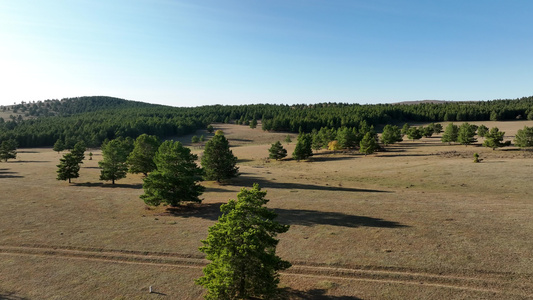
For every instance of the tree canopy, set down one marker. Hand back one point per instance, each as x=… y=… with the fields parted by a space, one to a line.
x=303 y=148
x=391 y=134
x=218 y=160
x=524 y=137
x=277 y=151
x=141 y=159
x=242 y=249
x=115 y=153
x=176 y=177
x=8 y=150
x=494 y=138
x=450 y=134
x=466 y=133
x=368 y=144
x=68 y=168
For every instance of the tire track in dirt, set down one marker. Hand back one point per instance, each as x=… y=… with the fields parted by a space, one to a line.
x=495 y=283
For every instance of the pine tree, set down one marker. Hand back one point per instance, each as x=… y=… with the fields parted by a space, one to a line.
x=346 y=138
x=524 y=137
x=482 y=130
x=141 y=159
x=450 y=134
x=368 y=144
x=176 y=177
x=494 y=138
x=210 y=128
x=218 y=160
x=113 y=165
x=59 y=146
x=79 y=151
x=303 y=148
x=288 y=139
x=242 y=249
x=277 y=151
x=253 y=123
x=437 y=128
x=8 y=150
x=414 y=133
x=466 y=133
x=68 y=167
x=391 y=135
x=405 y=128
x=427 y=131
x=195 y=139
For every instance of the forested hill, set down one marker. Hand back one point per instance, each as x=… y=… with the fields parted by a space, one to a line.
x=69 y=106
x=94 y=119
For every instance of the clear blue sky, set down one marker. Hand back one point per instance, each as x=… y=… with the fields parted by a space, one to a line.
x=188 y=53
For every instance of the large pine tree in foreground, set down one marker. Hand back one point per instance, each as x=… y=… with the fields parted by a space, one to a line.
x=242 y=250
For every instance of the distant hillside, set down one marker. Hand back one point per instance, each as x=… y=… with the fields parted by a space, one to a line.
x=68 y=106
x=422 y=102
x=95 y=119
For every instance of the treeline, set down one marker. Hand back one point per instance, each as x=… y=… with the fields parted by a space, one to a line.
x=95 y=119
x=337 y=115
x=95 y=127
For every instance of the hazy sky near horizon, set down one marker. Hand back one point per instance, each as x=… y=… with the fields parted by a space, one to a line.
x=201 y=52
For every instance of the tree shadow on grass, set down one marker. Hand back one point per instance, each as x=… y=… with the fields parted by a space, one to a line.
x=318 y=294
x=263 y=183
x=10 y=296
x=211 y=211
x=243 y=160
x=8 y=174
x=332 y=158
x=216 y=190
x=403 y=155
x=411 y=144
x=108 y=185
x=240 y=140
x=28 y=161
x=307 y=217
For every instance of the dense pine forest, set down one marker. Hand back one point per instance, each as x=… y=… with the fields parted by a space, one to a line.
x=95 y=119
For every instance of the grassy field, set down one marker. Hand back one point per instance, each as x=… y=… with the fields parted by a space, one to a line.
x=417 y=221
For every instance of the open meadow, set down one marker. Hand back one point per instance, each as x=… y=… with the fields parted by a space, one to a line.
x=418 y=220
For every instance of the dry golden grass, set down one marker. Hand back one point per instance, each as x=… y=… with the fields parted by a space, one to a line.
x=417 y=221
